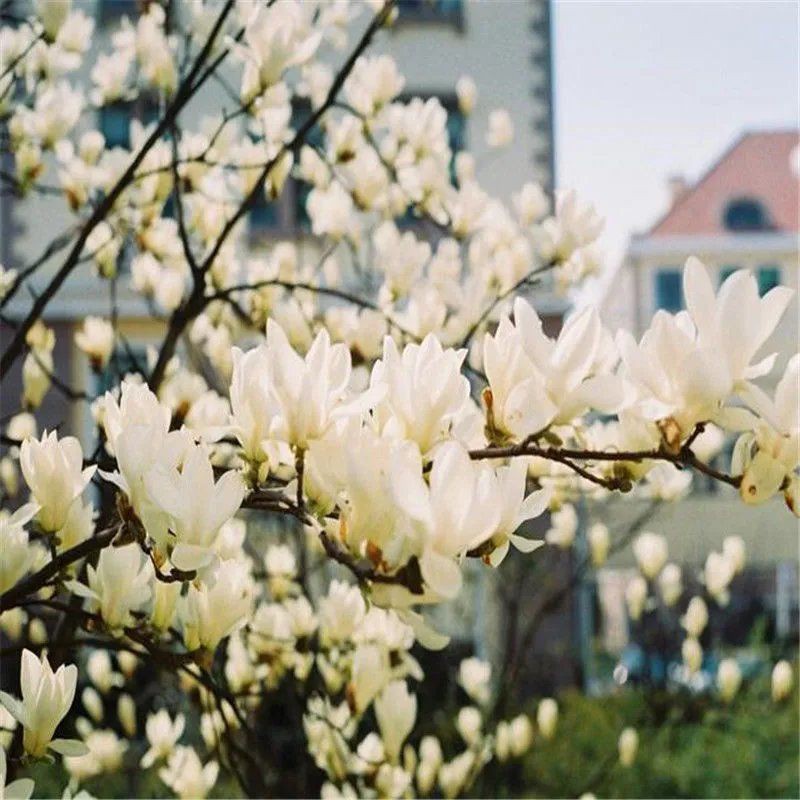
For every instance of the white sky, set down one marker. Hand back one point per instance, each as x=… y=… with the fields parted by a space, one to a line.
x=644 y=89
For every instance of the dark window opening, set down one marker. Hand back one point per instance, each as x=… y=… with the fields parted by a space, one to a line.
x=744 y=215
x=669 y=293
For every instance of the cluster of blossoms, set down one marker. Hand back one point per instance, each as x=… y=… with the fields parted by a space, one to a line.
x=392 y=397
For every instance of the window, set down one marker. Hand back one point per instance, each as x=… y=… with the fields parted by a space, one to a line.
x=115 y=120
x=669 y=295
x=745 y=214
x=769 y=276
x=113 y=10
x=725 y=273
x=449 y=11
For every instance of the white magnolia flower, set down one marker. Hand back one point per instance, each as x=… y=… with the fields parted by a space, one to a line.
x=468 y=724
x=310 y=392
x=536 y=381
x=467 y=94
x=396 y=711
x=162 y=736
x=687 y=366
x=219 y=605
x=462 y=516
x=119 y=585
x=547 y=717
x=771 y=454
x=636 y=596
x=563 y=527
x=18 y=555
x=599 y=543
x=425 y=391
x=670 y=584
x=717 y=575
x=501 y=128
x=53 y=470
x=729 y=678
x=46 y=698
x=651 y=553
x=515 y=509
x=628 y=746
x=474 y=676
x=733 y=548
x=197 y=506
x=96 y=339
x=782 y=681
x=695 y=619
x=692 y=654
x=186 y=775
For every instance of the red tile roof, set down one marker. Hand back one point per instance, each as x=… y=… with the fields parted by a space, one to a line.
x=761 y=165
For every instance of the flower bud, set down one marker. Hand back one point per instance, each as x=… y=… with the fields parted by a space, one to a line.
x=599 y=542
x=729 y=679
x=547 y=717
x=782 y=680
x=692 y=654
x=628 y=746
x=126 y=712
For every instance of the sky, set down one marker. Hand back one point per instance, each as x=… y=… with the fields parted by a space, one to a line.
x=646 y=89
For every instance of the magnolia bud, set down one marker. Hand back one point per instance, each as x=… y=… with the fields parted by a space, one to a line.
x=126 y=711
x=729 y=679
x=782 y=680
x=521 y=735
x=469 y=724
x=502 y=741
x=695 y=619
x=599 y=541
x=669 y=582
x=628 y=746
x=651 y=553
x=635 y=596
x=547 y=717
x=93 y=703
x=692 y=654
x=734 y=550
x=467 y=94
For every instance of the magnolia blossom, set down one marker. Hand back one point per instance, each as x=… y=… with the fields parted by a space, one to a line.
x=119 y=585
x=96 y=339
x=771 y=454
x=217 y=606
x=717 y=574
x=163 y=734
x=53 y=470
x=501 y=128
x=46 y=698
x=563 y=527
x=692 y=654
x=729 y=678
x=670 y=584
x=782 y=681
x=396 y=711
x=467 y=94
x=186 y=775
x=547 y=717
x=197 y=506
x=695 y=619
x=628 y=746
x=686 y=366
x=636 y=596
x=18 y=554
x=599 y=543
x=536 y=381
x=474 y=676
x=425 y=392
x=651 y=553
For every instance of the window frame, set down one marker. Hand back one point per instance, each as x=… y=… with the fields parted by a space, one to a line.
x=673 y=274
